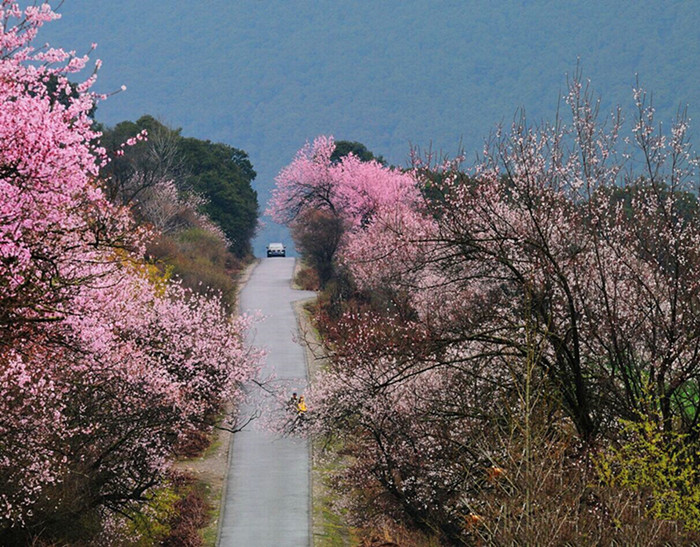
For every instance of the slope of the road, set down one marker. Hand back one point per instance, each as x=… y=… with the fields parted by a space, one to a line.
x=267 y=495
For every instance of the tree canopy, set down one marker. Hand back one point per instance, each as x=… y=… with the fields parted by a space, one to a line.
x=344 y=148
x=219 y=173
x=223 y=175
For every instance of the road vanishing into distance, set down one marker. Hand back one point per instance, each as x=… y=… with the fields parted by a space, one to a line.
x=267 y=496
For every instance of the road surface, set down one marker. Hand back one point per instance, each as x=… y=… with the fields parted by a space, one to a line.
x=267 y=496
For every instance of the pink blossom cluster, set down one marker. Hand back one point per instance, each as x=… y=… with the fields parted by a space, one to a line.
x=106 y=366
x=132 y=141
x=350 y=188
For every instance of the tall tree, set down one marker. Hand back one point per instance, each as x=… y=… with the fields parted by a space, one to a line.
x=324 y=192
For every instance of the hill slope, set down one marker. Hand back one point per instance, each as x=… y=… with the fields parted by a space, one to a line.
x=267 y=76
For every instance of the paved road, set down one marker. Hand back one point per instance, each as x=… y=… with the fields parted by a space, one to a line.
x=267 y=496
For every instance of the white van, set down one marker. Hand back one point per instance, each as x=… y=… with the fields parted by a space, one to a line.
x=275 y=249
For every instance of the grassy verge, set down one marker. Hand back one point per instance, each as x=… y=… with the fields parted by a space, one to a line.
x=213 y=491
x=329 y=526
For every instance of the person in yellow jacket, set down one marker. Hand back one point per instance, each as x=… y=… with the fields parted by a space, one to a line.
x=301 y=406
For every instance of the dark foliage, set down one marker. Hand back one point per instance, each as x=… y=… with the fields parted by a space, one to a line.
x=220 y=173
x=223 y=175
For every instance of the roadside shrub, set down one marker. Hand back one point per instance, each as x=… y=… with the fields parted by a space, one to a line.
x=556 y=498
x=200 y=261
x=307 y=279
x=191 y=514
x=199 y=243
x=658 y=465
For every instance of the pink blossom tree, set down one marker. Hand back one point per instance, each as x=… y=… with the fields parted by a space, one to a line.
x=337 y=196
x=106 y=367
x=351 y=188
x=544 y=226
x=556 y=265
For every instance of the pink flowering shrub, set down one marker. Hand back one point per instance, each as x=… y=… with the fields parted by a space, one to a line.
x=105 y=366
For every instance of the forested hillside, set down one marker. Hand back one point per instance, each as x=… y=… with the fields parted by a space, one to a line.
x=270 y=76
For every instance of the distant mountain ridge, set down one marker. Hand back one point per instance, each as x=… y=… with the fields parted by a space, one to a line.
x=267 y=76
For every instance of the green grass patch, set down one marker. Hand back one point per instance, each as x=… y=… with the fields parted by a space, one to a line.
x=209 y=533
x=330 y=527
